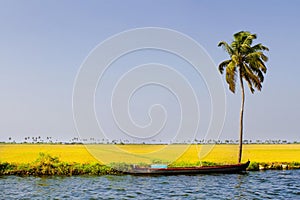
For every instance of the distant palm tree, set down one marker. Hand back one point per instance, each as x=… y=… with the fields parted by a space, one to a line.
x=246 y=63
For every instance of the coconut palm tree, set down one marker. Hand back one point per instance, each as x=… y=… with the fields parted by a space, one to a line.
x=246 y=63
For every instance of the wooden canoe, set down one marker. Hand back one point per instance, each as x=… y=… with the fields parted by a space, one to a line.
x=189 y=170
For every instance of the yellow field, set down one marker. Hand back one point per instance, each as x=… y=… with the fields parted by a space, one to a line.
x=25 y=153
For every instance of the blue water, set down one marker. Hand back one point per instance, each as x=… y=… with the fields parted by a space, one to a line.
x=251 y=185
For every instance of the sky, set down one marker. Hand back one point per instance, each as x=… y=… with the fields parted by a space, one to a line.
x=43 y=44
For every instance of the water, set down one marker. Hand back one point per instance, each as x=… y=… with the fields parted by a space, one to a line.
x=251 y=185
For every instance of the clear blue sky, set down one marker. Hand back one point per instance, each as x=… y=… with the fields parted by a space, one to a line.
x=43 y=43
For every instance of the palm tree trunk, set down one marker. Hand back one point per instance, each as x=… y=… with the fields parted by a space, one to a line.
x=241 y=120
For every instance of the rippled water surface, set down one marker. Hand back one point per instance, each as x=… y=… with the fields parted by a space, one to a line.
x=251 y=185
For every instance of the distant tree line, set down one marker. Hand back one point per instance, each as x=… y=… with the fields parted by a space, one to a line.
x=77 y=140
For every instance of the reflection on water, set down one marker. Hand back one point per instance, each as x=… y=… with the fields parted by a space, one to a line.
x=252 y=185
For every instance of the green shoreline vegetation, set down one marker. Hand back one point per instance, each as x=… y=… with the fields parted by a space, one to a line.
x=47 y=165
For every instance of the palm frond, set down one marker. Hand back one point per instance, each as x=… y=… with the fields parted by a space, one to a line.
x=264 y=57
x=248 y=38
x=259 y=47
x=255 y=69
x=262 y=65
x=249 y=82
x=226 y=47
x=235 y=59
x=245 y=48
x=231 y=76
x=223 y=65
x=252 y=77
x=257 y=59
x=245 y=37
x=236 y=45
x=253 y=56
x=239 y=36
x=248 y=59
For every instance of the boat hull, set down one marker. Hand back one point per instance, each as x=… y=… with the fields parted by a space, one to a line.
x=190 y=170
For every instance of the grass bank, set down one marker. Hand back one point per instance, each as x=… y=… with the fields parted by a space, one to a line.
x=47 y=165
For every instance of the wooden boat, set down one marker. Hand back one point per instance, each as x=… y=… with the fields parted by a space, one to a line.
x=189 y=170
